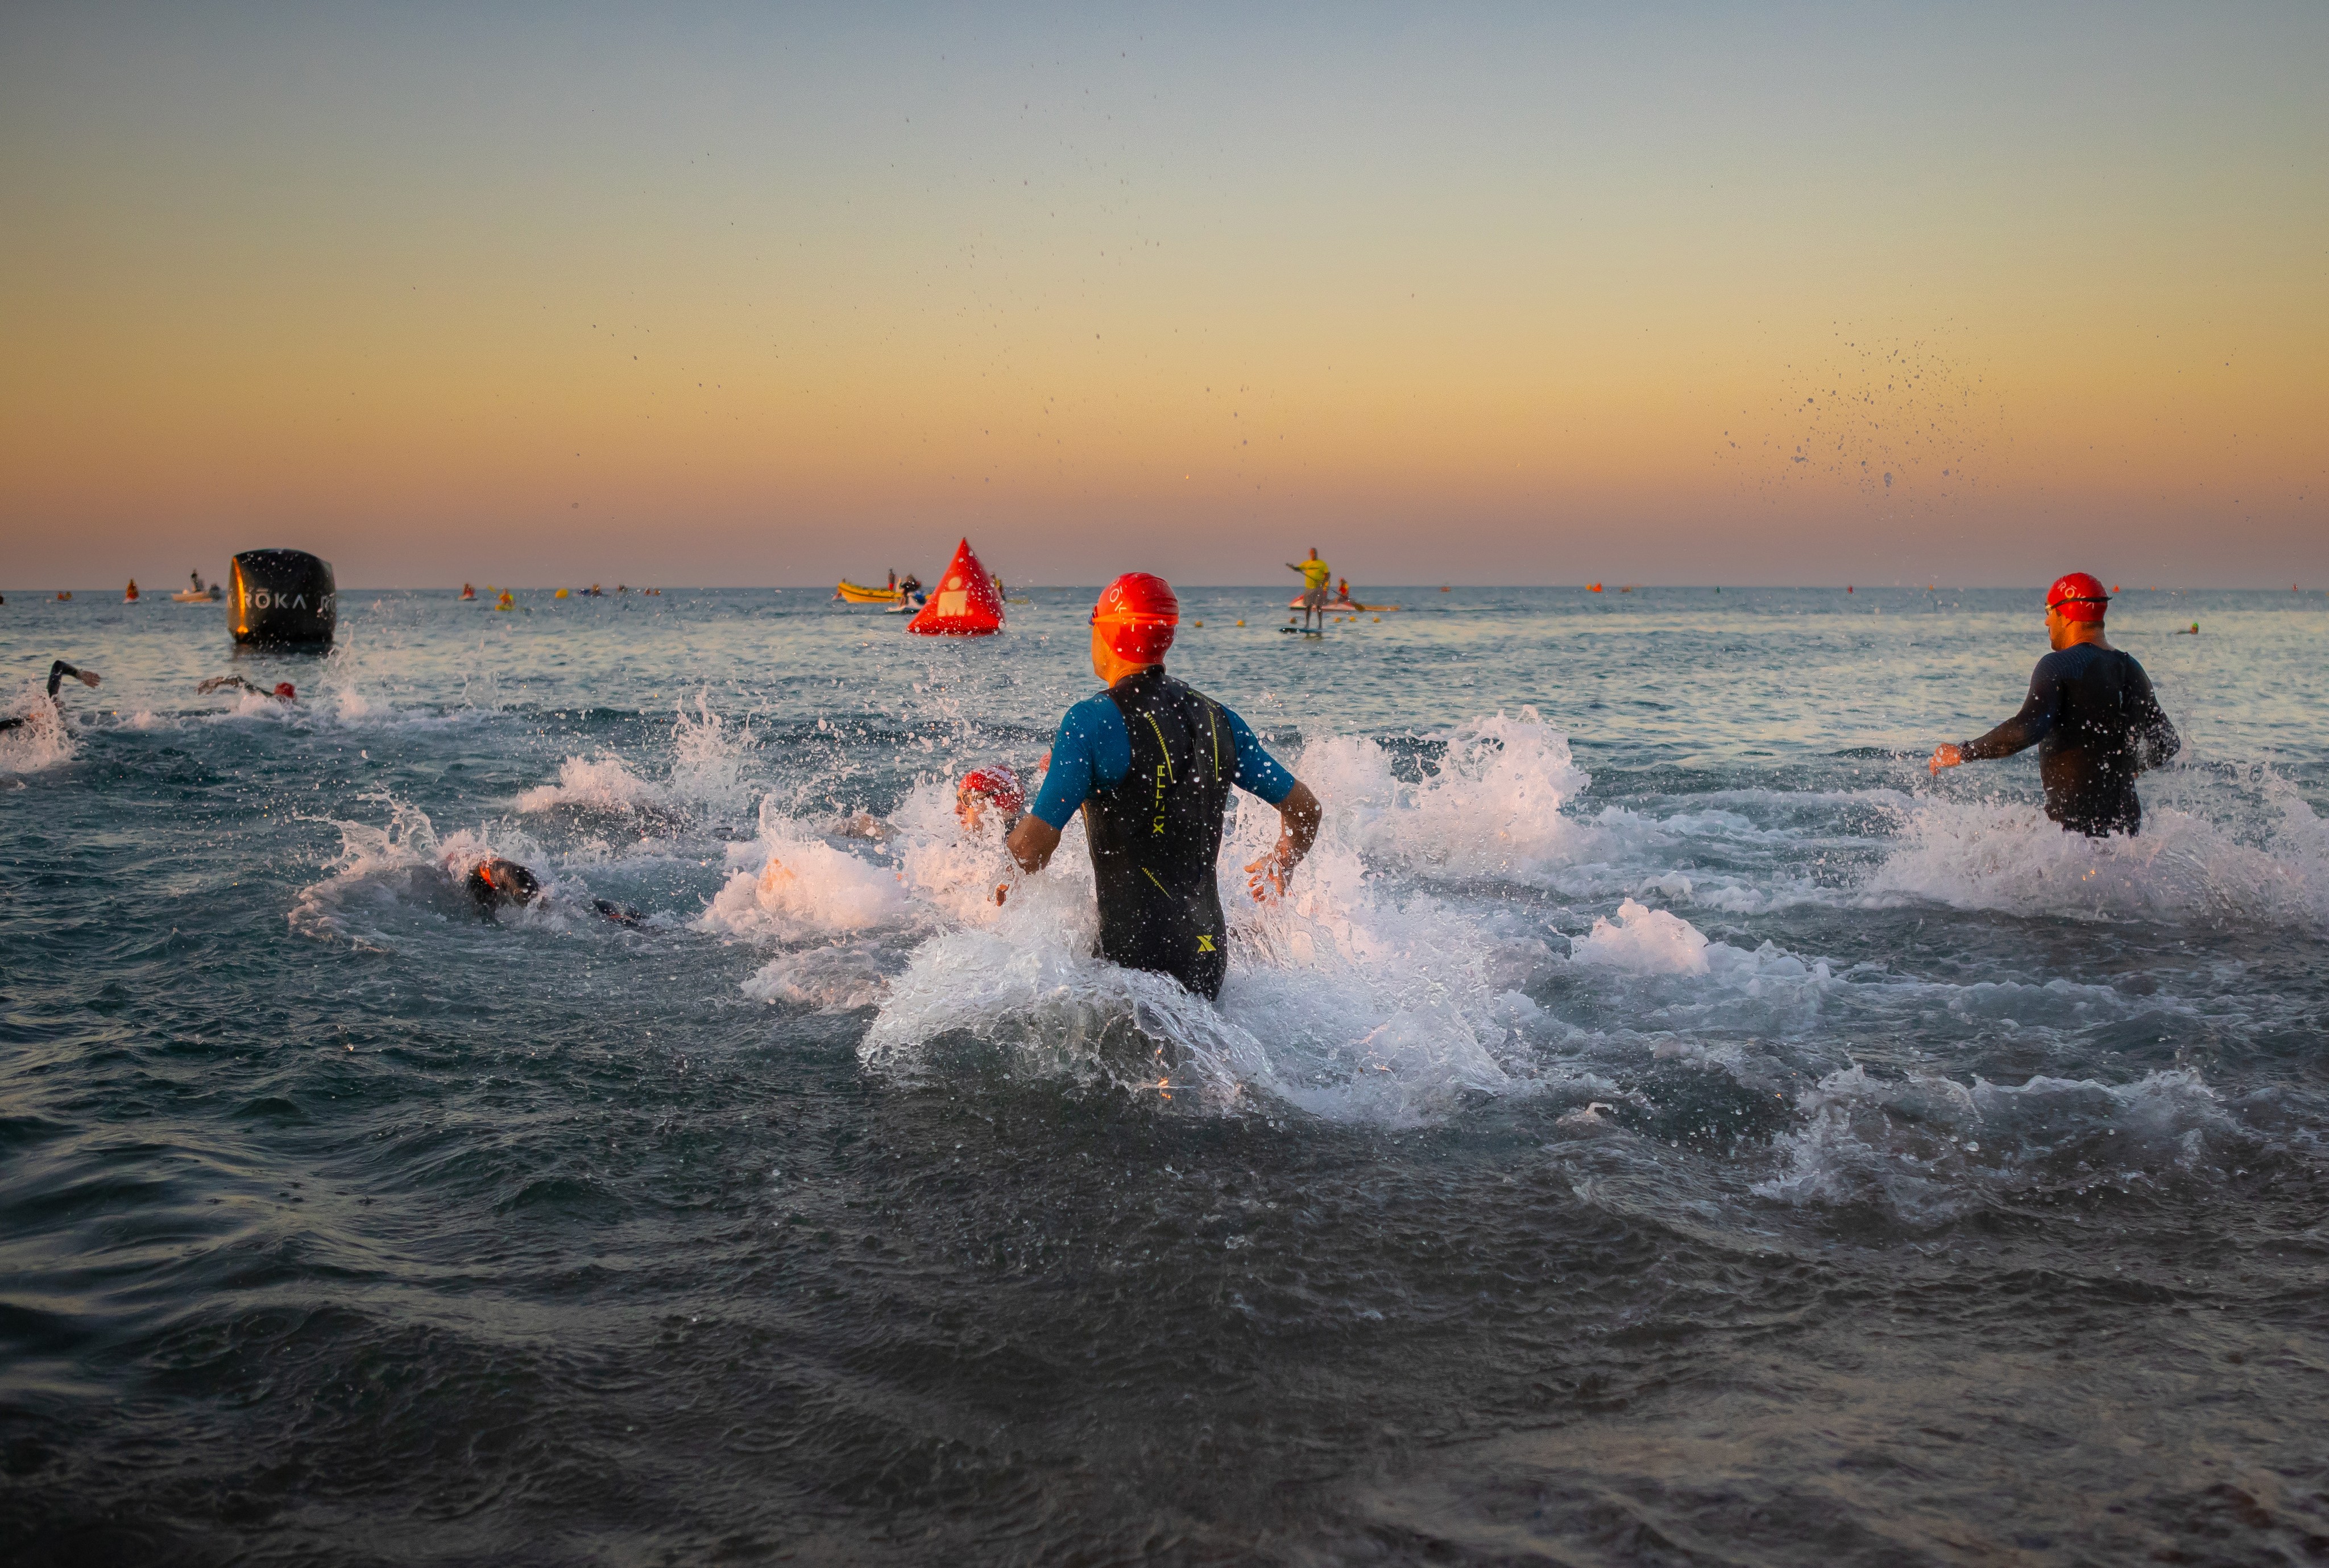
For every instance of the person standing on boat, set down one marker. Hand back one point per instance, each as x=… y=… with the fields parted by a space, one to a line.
x=1150 y=762
x=1315 y=575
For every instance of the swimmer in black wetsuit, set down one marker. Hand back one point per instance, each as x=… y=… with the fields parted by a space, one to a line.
x=496 y=883
x=2090 y=713
x=284 y=691
x=1150 y=761
x=57 y=670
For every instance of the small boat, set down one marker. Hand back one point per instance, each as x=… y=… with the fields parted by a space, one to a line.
x=129 y=593
x=469 y=593
x=858 y=594
x=199 y=593
x=910 y=604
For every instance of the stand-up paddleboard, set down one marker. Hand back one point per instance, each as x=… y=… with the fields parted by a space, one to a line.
x=1344 y=607
x=1301 y=632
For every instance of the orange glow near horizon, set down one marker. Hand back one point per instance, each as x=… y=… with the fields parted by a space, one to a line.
x=1492 y=337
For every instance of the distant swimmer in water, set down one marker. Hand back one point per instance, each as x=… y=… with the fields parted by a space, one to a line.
x=2090 y=713
x=1316 y=574
x=495 y=884
x=2191 y=630
x=284 y=691
x=57 y=670
x=1150 y=762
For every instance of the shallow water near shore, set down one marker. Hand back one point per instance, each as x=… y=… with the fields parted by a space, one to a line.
x=1663 y=1125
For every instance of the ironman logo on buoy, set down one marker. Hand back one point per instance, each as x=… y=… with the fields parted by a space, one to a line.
x=966 y=603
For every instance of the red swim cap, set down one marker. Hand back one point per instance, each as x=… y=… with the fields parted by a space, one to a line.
x=1138 y=614
x=2079 y=597
x=997 y=783
x=283 y=690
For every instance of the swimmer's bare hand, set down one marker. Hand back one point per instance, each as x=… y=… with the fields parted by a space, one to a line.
x=1002 y=891
x=1945 y=756
x=1266 y=879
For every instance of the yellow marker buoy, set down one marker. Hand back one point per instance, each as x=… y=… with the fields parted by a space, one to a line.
x=559 y=594
x=1196 y=623
x=1241 y=623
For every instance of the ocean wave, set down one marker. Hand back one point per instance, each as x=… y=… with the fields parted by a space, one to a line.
x=1927 y=1149
x=1989 y=855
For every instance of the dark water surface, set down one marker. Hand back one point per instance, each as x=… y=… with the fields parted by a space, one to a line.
x=1665 y=1127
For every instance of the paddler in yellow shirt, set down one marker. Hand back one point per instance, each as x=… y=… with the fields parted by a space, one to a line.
x=1315 y=575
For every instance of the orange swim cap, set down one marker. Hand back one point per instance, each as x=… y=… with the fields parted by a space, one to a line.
x=2078 y=596
x=1137 y=615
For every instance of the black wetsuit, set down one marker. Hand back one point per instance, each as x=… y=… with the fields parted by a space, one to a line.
x=1155 y=837
x=2096 y=724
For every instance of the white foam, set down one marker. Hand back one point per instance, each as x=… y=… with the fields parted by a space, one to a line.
x=1343 y=999
x=1988 y=855
x=376 y=865
x=1492 y=808
x=796 y=886
x=708 y=756
x=42 y=741
x=1643 y=941
x=601 y=783
x=707 y=776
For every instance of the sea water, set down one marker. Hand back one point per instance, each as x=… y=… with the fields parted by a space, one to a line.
x=1662 y=1123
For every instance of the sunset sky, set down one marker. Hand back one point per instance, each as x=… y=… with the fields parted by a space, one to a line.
x=768 y=294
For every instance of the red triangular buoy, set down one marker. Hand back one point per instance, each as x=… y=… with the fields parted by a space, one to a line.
x=964 y=604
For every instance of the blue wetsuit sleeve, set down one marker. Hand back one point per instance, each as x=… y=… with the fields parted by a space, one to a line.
x=1258 y=772
x=2029 y=727
x=1092 y=751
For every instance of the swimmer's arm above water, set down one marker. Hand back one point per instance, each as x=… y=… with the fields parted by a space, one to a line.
x=2018 y=733
x=1031 y=843
x=1298 y=816
x=57 y=673
x=2155 y=740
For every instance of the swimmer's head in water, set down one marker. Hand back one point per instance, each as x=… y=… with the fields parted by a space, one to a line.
x=283 y=688
x=2078 y=596
x=499 y=881
x=997 y=784
x=1136 y=615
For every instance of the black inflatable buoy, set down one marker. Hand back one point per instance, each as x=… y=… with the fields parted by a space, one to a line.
x=281 y=598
